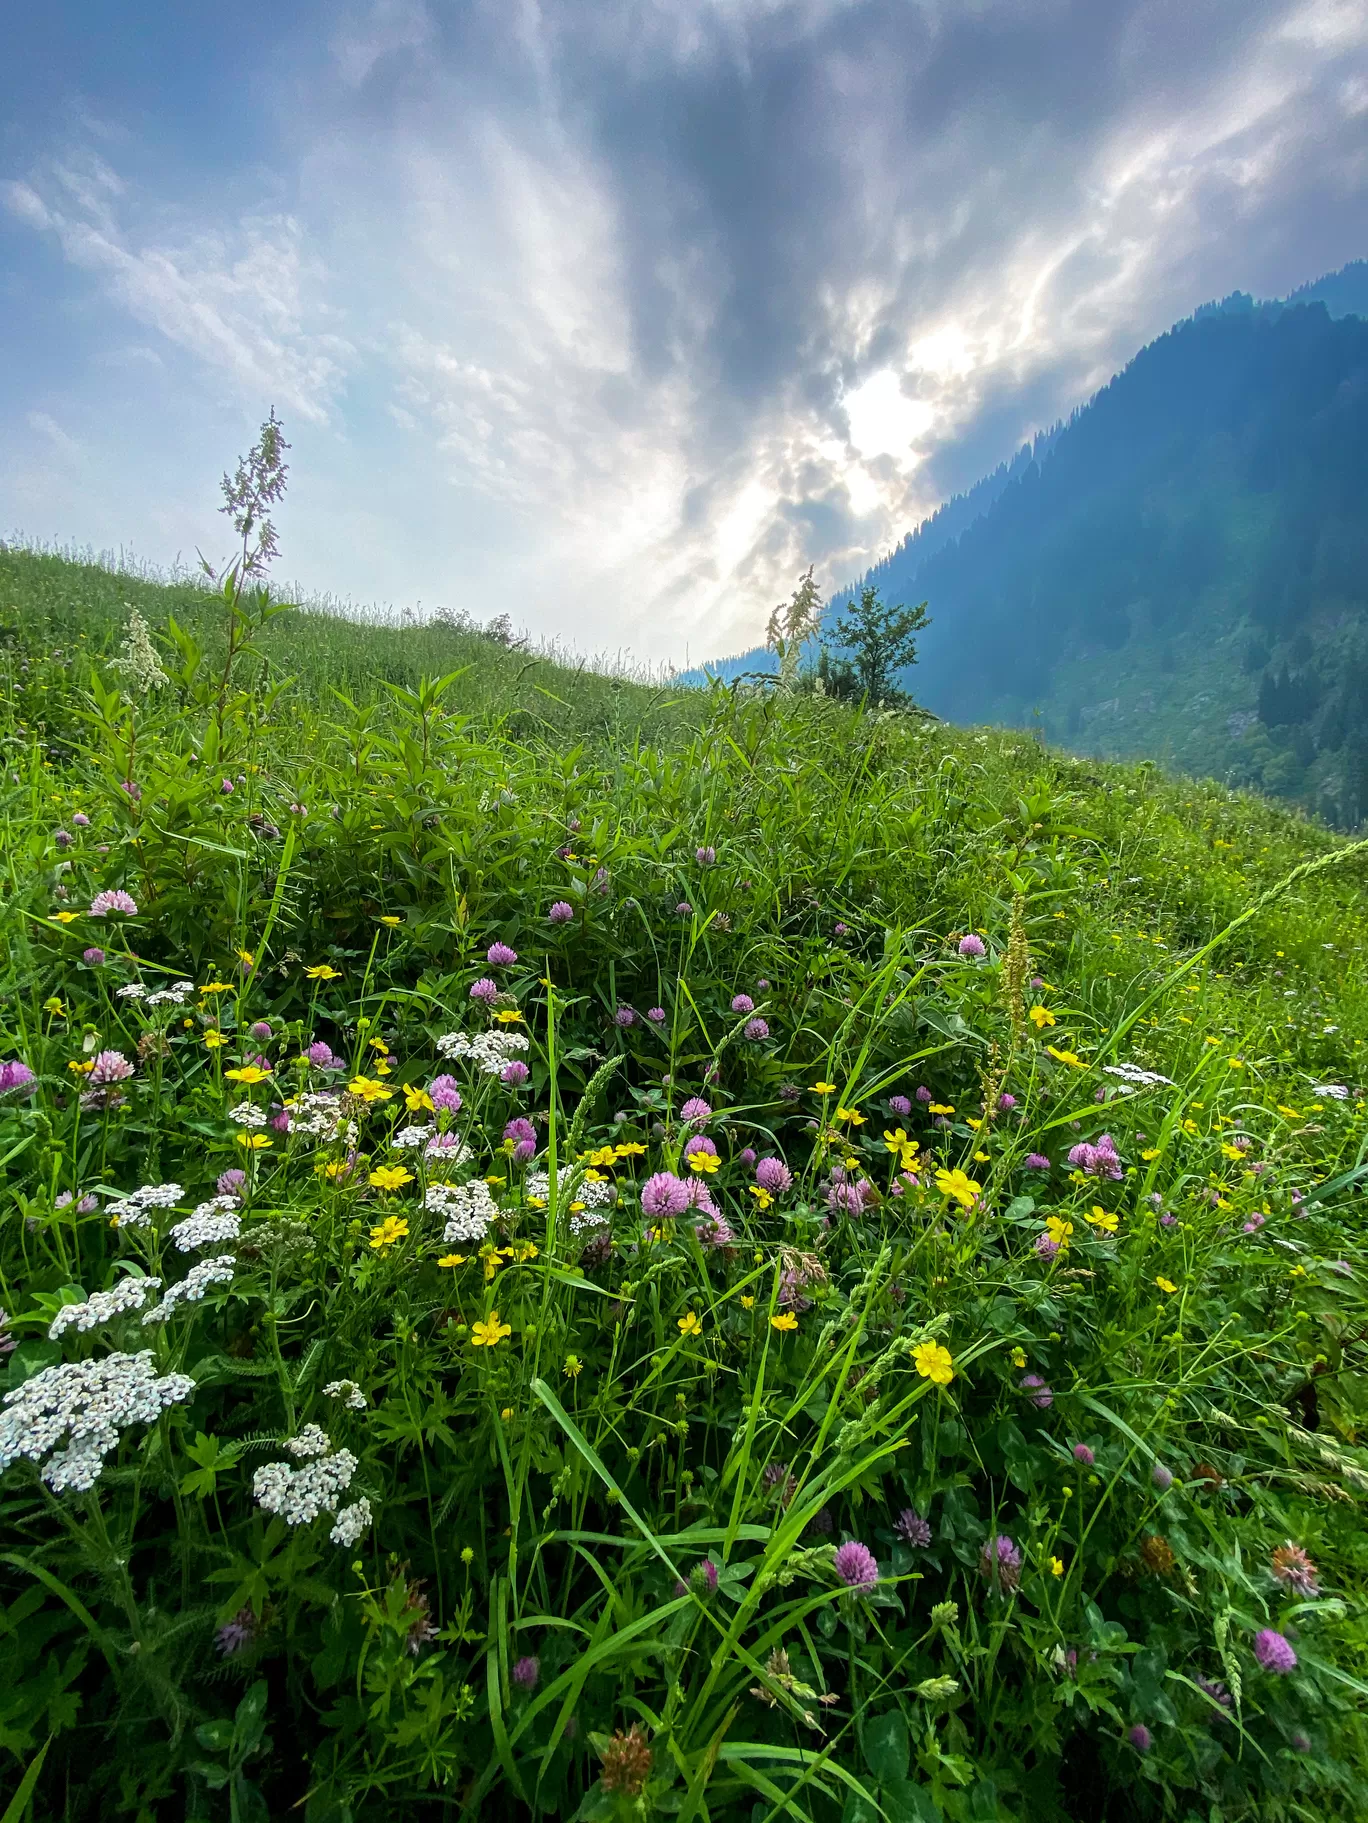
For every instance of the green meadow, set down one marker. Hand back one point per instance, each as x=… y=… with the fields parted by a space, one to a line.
x=585 y=1249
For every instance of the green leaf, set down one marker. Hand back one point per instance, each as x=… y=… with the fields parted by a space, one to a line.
x=887 y=1749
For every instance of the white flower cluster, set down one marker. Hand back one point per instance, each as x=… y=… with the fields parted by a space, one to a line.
x=190 y=1289
x=1335 y=1090
x=300 y=1495
x=311 y=1441
x=317 y=1116
x=595 y=1196
x=103 y=1306
x=407 y=1139
x=84 y=1404
x=247 y=1114
x=175 y=995
x=212 y=1222
x=450 y=1148
x=489 y=1051
x=352 y=1521
x=131 y=1211
x=348 y=1392
x=468 y=1209
x=1136 y=1077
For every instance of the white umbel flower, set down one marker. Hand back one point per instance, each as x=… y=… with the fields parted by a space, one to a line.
x=211 y=1224
x=247 y=1114
x=468 y=1209
x=348 y=1392
x=103 y=1306
x=84 y=1405
x=311 y=1441
x=352 y=1521
x=300 y=1495
x=490 y=1052
x=191 y=1289
x=1139 y=1079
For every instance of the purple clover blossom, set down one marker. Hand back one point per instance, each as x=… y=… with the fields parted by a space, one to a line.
x=1037 y=1161
x=63 y=838
x=923 y=1093
x=664 y=1194
x=1046 y=1247
x=230 y=1182
x=110 y=1066
x=560 y=913
x=844 y=1199
x=1215 y=1689
x=260 y=1030
x=742 y=1003
x=134 y=791
x=115 y=901
x=521 y=1131
x=705 y=856
x=700 y=1143
x=81 y=820
x=1040 y=1395
x=746 y=1156
x=226 y=788
x=16 y=1075
x=1274 y=1652
x=445 y=1095
x=484 y=989
x=840 y=930
x=683 y=909
x=1000 y=1562
x=912 y=1528
x=703 y=1577
x=514 y=1075
x=757 y=1030
x=773 y=1174
x=625 y=1016
x=280 y=1122
x=1081 y=1453
x=499 y=955
x=320 y=1055
x=236 y=1633
x=856 y=1565
x=1140 y=1738
x=656 y=1015
x=695 y=1110
x=525 y=1673
x=1100 y=1160
x=900 y=1105
x=972 y=946
x=1007 y=1101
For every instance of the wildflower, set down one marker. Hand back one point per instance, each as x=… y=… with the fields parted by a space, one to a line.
x=110 y=1067
x=1140 y=1738
x=1157 y=1555
x=499 y=955
x=81 y=820
x=485 y=990
x=1069 y=1057
x=103 y=1307
x=368 y=1090
x=525 y=1673
x=236 y=1633
x=1274 y=1652
x=211 y=1224
x=747 y=1303
x=1105 y=1220
x=1037 y=1161
x=912 y=1528
x=1215 y=1689
x=82 y=1406
x=785 y=1321
x=1055 y=1565
x=683 y=909
x=702 y=1156
x=664 y=1195
x=299 y=1495
x=573 y=1368
x=390 y=1177
x=958 y=1187
x=1040 y=1017
x=250 y=1074
x=117 y=901
x=93 y=956
x=1007 y=1101
x=972 y=946
x=489 y=1333
x=560 y=913
x=840 y=930
x=690 y=1324
x=773 y=1175
x=705 y=856
x=757 y=1030
x=1037 y=1391
x=1047 y=1247
x=626 y=1762
x=442 y=1094
x=386 y=1233
x=855 y=1564
x=509 y=1016
x=348 y=1392
x=16 y=1075
x=656 y=1015
x=742 y=1003
x=323 y=971
x=851 y=1116
x=1161 y=1477
x=824 y=1088
x=514 y=1075
x=1165 y=1284
x=1295 y=1570
x=452 y=1259
x=939 y=1107
x=254 y=1142
x=351 y=1522
x=695 y=1111
x=229 y=1183
x=934 y=1362
x=1081 y=1453
x=625 y=1016
x=1100 y=1160
x=1000 y=1562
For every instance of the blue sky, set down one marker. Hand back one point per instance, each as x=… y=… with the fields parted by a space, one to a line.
x=616 y=316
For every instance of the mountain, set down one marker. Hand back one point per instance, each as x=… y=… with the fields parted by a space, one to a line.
x=1181 y=570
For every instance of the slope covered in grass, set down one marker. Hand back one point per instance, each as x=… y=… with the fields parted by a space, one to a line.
x=766 y=1261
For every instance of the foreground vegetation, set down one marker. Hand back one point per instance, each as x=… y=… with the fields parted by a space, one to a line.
x=724 y=1257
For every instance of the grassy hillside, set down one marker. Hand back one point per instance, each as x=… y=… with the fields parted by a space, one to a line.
x=724 y=1258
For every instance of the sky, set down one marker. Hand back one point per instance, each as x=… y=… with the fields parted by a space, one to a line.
x=614 y=316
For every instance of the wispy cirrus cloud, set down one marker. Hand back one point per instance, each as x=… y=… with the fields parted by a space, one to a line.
x=627 y=313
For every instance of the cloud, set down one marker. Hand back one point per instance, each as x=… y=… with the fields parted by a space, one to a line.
x=638 y=309
x=48 y=427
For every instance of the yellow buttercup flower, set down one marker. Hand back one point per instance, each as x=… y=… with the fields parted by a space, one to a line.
x=369 y=1090
x=55 y=1007
x=1018 y=1357
x=416 y=1100
x=390 y=1177
x=214 y=1041
x=509 y=1016
x=1040 y=1017
x=452 y=1259
x=934 y=1362
x=762 y=1196
x=824 y=1088
x=940 y=1107
x=489 y=1333
x=690 y=1324
x=706 y=1162
x=520 y=1252
x=1068 y=1057
x=573 y=1367
x=391 y=921
x=254 y=1142
x=1104 y=1219
x=323 y=972
x=383 y=1066
x=489 y=1256
x=956 y=1185
x=1058 y=1229
x=245 y=955
x=216 y=987
x=1149 y=1154
x=1056 y=1566
x=249 y=1073
x=392 y=1229
x=897 y=1141
x=852 y=1115
x=66 y=917
x=630 y=1148
x=785 y=1321
x=748 y=1303
x=1165 y=1284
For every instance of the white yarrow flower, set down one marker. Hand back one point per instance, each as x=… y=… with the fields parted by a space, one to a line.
x=352 y=1521
x=84 y=1405
x=300 y=1495
x=348 y=1392
x=311 y=1441
x=211 y=1224
x=103 y=1306
x=191 y=1289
